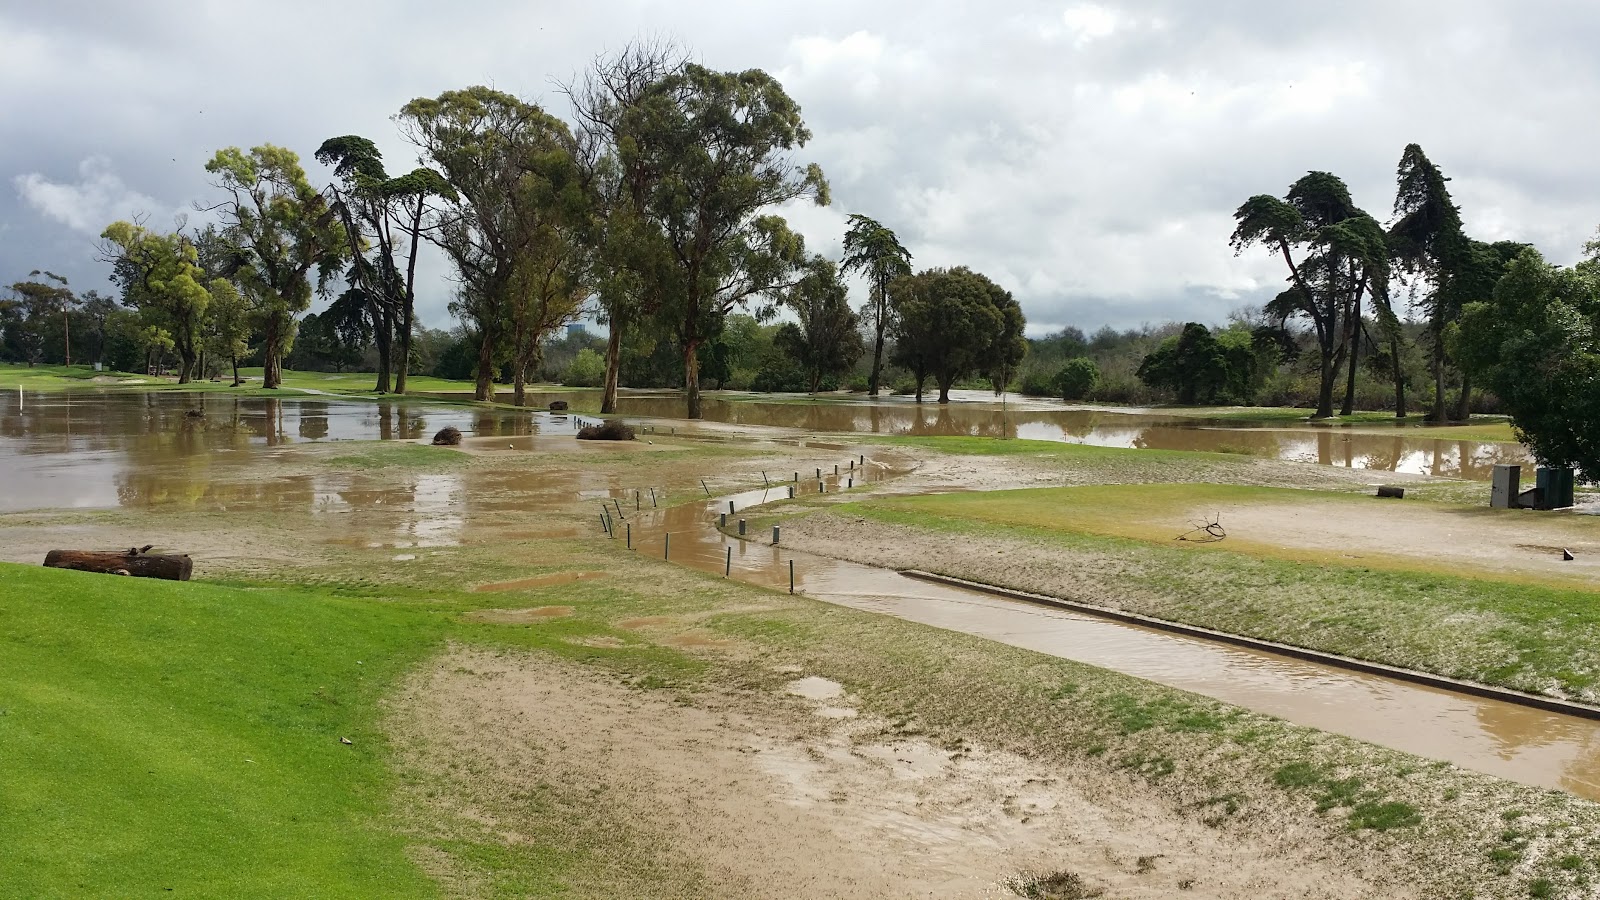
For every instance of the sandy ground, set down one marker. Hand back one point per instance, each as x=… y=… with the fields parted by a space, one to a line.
x=798 y=796
x=1523 y=541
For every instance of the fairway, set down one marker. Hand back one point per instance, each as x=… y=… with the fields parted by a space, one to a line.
x=191 y=738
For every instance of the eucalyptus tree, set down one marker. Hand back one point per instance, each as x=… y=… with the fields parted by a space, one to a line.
x=283 y=230
x=41 y=300
x=720 y=142
x=383 y=217
x=825 y=339
x=160 y=275
x=507 y=161
x=873 y=250
x=950 y=324
x=1343 y=254
x=632 y=260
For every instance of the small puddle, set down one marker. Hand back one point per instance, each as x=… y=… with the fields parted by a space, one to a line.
x=518 y=616
x=814 y=688
x=538 y=581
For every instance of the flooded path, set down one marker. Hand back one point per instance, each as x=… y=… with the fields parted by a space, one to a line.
x=1503 y=739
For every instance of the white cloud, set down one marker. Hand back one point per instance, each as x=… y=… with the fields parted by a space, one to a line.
x=1088 y=22
x=98 y=198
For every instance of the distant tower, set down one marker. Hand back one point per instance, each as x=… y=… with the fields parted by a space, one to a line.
x=575 y=329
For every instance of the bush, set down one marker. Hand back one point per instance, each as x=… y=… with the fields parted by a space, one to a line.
x=1077 y=378
x=1036 y=383
x=588 y=369
x=612 y=430
x=859 y=384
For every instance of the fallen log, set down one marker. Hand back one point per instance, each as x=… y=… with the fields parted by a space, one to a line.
x=1392 y=492
x=135 y=562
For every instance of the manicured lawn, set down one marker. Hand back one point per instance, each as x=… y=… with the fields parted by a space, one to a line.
x=163 y=737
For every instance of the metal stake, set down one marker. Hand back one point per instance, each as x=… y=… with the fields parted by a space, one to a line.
x=666 y=548
x=727 y=568
x=791 y=576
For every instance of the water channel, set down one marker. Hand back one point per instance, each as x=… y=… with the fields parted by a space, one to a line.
x=104 y=450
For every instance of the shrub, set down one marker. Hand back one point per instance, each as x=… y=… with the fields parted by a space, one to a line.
x=612 y=430
x=588 y=369
x=1035 y=383
x=1077 y=378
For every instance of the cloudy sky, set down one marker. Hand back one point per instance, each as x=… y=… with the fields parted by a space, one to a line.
x=1088 y=156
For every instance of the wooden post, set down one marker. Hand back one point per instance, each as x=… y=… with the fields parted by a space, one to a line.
x=791 y=576
x=134 y=562
x=629 y=526
x=727 y=568
x=652 y=498
x=775 y=535
x=666 y=548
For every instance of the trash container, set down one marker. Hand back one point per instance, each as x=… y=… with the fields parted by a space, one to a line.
x=1555 y=485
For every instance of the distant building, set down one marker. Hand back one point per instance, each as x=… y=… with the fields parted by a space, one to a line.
x=575 y=329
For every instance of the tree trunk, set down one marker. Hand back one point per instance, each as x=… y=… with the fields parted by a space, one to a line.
x=1438 y=413
x=691 y=377
x=944 y=389
x=1325 y=388
x=236 y=379
x=1464 y=405
x=131 y=562
x=408 y=314
x=484 y=389
x=384 y=337
x=1350 y=378
x=1399 y=380
x=608 y=395
x=186 y=359
x=66 y=334
x=877 y=347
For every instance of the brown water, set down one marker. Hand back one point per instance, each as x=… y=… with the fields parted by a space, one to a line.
x=978 y=414
x=140 y=450
x=1503 y=739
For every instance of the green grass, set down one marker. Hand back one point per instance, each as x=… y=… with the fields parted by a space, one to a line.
x=186 y=737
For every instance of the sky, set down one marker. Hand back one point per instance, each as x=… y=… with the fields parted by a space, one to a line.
x=1086 y=156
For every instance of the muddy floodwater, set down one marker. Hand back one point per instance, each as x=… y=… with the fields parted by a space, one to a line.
x=108 y=449
x=979 y=414
x=1503 y=739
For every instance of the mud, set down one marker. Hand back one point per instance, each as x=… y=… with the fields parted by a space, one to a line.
x=517 y=616
x=733 y=796
x=539 y=581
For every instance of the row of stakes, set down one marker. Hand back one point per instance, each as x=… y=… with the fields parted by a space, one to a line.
x=666 y=547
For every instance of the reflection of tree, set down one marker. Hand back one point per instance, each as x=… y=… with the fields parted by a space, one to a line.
x=1517 y=731
x=313 y=419
x=1387 y=459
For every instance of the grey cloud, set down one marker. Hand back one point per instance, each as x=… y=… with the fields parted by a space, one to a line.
x=1093 y=171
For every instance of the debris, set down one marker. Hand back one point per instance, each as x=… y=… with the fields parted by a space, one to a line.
x=1390 y=491
x=345 y=740
x=612 y=430
x=1208 y=532
x=1566 y=555
x=448 y=436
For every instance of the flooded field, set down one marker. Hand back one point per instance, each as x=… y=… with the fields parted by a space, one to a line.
x=979 y=414
x=103 y=450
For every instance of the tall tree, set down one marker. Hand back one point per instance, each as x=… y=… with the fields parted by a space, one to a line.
x=948 y=325
x=228 y=326
x=64 y=299
x=874 y=251
x=283 y=230
x=632 y=260
x=826 y=339
x=160 y=275
x=383 y=218
x=721 y=141
x=1430 y=246
x=497 y=152
x=1341 y=250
